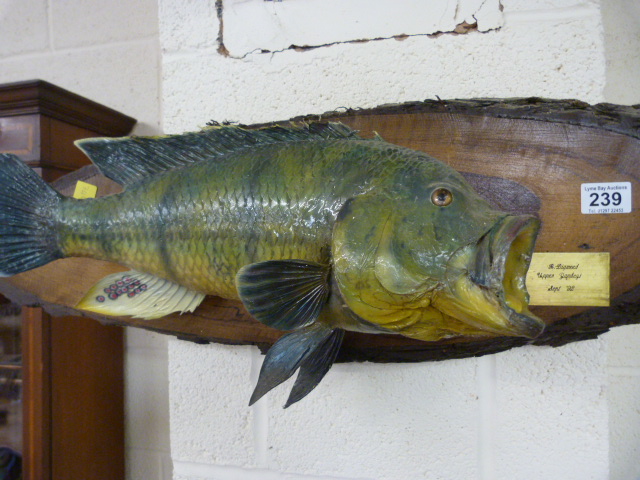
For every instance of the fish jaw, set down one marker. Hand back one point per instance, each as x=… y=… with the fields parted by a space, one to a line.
x=486 y=283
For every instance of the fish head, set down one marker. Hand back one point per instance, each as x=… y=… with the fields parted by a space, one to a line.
x=429 y=258
x=484 y=284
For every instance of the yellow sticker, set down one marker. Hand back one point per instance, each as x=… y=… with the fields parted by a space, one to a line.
x=573 y=279
x=85 y=190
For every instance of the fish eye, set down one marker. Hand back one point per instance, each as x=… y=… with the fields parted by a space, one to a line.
x=441 y=197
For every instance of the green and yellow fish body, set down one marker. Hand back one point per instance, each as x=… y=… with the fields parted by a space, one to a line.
x=198 y=226
x=313 y=228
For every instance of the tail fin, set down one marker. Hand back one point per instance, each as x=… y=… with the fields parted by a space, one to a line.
x=27 y=211
x=312 y=349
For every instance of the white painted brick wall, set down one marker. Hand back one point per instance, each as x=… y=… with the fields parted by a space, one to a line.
x=621 y=20
x=624 y=408
x=535 y=53
x=148 y=451
x=380 y=421
x=551 y=413
x=195 y=386
x=257 y=25
x=534 y=413
x=622 y=43
x=88 y=51
x=32 y=32
x=83 y=24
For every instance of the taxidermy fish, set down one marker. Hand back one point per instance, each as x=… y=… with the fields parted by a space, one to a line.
x=313 y=228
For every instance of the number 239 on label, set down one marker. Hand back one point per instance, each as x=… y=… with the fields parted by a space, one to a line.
x=612 y=197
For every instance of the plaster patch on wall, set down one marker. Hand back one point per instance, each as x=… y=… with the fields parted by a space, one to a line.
x=259 y=26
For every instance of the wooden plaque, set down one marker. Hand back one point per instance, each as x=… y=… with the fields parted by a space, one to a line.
x=549 y=148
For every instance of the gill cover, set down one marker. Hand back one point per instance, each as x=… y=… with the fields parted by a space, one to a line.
x=375 y=277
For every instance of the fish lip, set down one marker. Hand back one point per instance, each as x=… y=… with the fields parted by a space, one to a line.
x=502 y=261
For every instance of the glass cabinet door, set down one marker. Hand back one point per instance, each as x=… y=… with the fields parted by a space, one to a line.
x=10 y=391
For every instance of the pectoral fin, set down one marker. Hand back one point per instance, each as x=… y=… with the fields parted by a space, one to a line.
x=284 y=294
x=139 y=295
x=313 y=349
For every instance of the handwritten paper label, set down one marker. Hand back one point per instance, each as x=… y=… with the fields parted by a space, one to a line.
x=575 y=279
x=85 y=190
x=612 y=197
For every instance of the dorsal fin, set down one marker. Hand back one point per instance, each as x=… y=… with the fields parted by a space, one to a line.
x=128 y=160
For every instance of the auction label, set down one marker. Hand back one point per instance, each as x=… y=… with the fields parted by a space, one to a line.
x=612 y=197
x=573 y=279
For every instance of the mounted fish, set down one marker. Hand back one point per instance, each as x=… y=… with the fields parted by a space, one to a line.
x=313 y=228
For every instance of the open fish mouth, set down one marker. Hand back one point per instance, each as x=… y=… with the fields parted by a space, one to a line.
x=487 y=281
x=502 y=262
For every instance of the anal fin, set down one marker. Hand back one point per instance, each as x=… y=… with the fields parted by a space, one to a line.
x=139 y=295
x=315 y=366
x=312 y=349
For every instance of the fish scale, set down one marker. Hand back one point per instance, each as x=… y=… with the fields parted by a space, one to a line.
x=202 y=234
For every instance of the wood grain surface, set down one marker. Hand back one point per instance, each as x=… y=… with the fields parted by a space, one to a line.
x=523 y=155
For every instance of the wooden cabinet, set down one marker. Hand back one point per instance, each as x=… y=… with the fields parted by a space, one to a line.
x=72 y=367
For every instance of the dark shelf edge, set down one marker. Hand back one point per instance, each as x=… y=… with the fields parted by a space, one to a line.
x=38 y=96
